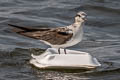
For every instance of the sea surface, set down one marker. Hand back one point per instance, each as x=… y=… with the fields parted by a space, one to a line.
x=101 y=37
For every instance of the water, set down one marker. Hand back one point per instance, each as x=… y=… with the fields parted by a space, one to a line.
x=101 y=37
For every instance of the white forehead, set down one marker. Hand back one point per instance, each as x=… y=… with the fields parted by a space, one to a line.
x=80 y=13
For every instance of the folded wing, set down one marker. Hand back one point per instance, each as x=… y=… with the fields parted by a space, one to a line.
x=55 y=36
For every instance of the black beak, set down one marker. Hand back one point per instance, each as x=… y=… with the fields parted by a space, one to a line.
x=85 y=18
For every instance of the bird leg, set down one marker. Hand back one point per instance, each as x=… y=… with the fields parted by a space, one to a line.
x=65 y=51
x=59 y=50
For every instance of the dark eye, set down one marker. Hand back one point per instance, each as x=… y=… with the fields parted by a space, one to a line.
x=78 y=15
x=84 y=14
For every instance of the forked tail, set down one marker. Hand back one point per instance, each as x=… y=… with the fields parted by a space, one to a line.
x=28 y=28
x=20 y=27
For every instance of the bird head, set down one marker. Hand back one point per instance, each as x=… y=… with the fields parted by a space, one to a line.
x=80 y=17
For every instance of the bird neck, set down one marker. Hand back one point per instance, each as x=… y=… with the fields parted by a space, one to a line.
x=77 y=24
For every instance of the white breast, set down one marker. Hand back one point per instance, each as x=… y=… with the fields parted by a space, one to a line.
x=77 y=37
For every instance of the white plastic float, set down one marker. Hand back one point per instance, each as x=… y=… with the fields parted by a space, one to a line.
x=50 y=59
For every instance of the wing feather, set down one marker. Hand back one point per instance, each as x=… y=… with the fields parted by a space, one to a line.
x=55 y=36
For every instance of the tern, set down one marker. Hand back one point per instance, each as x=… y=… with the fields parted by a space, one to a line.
x=60 y=37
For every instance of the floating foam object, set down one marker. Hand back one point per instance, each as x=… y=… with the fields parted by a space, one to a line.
x=50 y=59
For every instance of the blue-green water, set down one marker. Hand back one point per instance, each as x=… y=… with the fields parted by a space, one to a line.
x=101 y=37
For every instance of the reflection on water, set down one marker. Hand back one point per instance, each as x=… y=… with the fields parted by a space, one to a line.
x=101 y=37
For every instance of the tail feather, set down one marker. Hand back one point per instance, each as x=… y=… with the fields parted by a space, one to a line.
x=20 y=27
x=29 y=29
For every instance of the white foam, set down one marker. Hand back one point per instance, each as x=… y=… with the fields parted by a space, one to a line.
x=73 y=59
